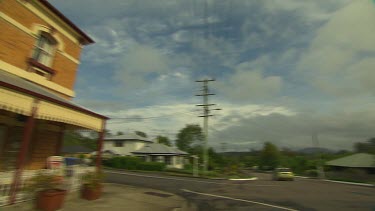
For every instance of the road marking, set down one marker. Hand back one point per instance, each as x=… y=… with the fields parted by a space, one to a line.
x=179 y=179
x=242 y=200
x=248 y=179
x=350 y=183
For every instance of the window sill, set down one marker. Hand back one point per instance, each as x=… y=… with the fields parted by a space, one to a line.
x=41 y=66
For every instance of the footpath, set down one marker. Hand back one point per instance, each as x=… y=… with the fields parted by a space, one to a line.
x=119 y=197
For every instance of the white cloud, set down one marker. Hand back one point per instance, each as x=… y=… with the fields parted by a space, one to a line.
x=341 y=57
x=137 y=63
x=152 y=51
x=337 y=130
x=154 y=120
x=248 y=82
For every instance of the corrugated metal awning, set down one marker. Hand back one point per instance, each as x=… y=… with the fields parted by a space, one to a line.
x=18 y=95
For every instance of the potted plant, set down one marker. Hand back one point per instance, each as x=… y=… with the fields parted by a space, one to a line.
x=92 y=185
x=48 y=190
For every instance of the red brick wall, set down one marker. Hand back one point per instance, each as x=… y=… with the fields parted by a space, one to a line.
x=43 y=146
x=16 y=46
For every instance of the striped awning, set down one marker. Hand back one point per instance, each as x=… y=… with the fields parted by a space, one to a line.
x=18 y=96
x=15 y=102
x=58 y=113
x=20 y=103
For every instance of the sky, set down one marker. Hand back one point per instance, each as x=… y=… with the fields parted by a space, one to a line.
x=284 y=69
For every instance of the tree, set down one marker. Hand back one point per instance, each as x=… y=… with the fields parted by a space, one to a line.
x=190 y=138
x=140 y=133
x=269 y=156
x=163 y=140
x=75 y=138
x=367 y=147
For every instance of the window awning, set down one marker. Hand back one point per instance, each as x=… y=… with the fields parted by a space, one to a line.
x=15 y=102
x=58 y=113
x=18 y=95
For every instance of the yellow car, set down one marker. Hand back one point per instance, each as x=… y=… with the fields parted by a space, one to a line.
x=283 y=174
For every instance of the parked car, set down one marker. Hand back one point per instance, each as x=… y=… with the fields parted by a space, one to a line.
x=283 y=174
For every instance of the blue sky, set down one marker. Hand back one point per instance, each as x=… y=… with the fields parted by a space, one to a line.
x=284 y=69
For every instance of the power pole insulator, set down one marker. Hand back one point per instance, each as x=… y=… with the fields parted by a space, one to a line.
x=206 y=115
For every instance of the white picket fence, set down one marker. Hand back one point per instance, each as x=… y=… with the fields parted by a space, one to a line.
x=73 y=182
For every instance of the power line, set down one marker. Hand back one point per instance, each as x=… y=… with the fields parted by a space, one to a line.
x=206 y=114
x=151 y=117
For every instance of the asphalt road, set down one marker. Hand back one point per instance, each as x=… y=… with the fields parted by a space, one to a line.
x=262 y=194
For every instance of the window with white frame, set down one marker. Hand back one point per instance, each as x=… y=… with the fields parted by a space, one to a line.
x=44 y=49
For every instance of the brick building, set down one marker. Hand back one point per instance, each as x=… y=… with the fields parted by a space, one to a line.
x=39 y=56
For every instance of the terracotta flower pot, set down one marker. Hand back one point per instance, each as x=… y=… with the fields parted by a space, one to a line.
x=91 y=193
x=50 y=200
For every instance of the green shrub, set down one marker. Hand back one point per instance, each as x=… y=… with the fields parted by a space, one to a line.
x=130 y=163
x=188 y=167
x=151 y=166
x=180 y=171
x=93 y=179
x=133 y=163
x=311 y=173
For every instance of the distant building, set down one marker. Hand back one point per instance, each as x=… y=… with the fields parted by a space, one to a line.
x=134 y=145
x=172 y=157
x=125 y=144
x=360 y=161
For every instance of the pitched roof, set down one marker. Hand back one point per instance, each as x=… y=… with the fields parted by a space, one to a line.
x=155 y=148
x=128 y=136
x=76 y=149
x=359 y=160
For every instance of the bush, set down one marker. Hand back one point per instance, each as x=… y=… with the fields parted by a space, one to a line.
x=180 y=171
x=130 y=163
x=311 y=173
x=133 y=163
x=151 y=166
x=93 y=179
x=188 y=167
x=44 y=180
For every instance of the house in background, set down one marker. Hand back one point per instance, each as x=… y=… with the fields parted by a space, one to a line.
x=357 y=167
x=124 y=144
x=132 y=144
x=172 y=157
x=358 y=161
x=39 y=56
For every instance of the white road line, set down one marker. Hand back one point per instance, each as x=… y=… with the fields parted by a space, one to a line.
x=247 y=179
x=179 y=179
x=242 y=200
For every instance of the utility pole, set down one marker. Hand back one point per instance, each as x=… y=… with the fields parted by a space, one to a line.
x=206 y=115
x=319 y=166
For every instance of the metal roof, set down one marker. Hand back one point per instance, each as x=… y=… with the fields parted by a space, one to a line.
x=127 y=137
x=20 y=84
x=155 y=148
x=359 y=160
